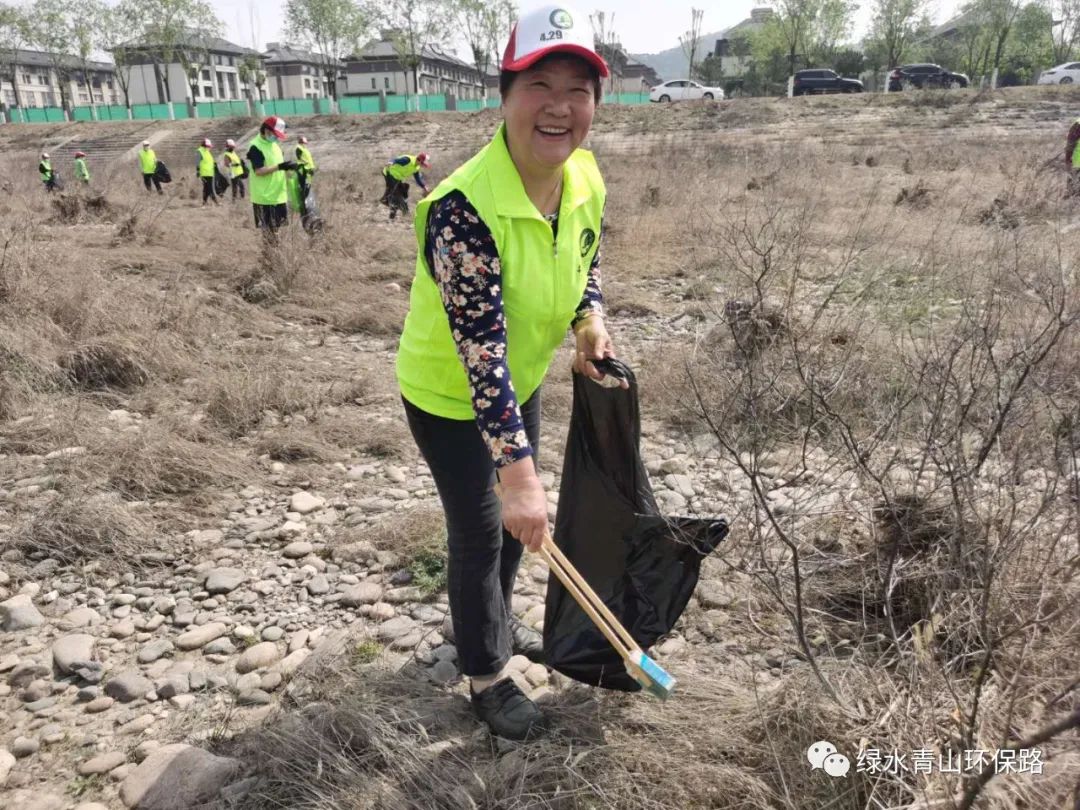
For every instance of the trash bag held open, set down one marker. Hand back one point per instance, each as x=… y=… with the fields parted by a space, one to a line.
x=644 y=566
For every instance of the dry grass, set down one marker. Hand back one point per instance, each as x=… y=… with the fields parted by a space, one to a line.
x=896 y=453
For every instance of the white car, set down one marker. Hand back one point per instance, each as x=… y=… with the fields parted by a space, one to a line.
x=684 y=90
x=1069 y=73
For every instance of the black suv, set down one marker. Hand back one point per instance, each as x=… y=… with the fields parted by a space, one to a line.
x=824 y=81
x=921 y=76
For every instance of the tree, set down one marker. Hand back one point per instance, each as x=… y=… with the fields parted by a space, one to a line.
x=689 y=41
x=606 y=41
x=1064 y=27
x=1030 y=47
x=333 y=29
x=251 y=74
x=794 y=20
x=50 y=29
x=507 y=13
x=413 y=25
x=167 y=29
x=481 y=22
x=828 y=30
x=118 y=27
x=85 y=25
x=893 y=27
x=13 y=35
x=709 y=71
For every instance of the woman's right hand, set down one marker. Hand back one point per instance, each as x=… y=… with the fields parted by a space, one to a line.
x=524 y=503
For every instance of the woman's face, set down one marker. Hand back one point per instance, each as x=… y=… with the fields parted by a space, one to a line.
x=548 y=111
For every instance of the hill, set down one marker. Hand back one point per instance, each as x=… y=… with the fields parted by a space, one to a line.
x=671 y=64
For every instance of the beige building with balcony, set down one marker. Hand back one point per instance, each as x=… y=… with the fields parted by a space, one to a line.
x=38 y=82
x=292 y=72
x=377 y=68
x=218 y=65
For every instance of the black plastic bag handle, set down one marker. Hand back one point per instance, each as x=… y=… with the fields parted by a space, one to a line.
x=613 y=367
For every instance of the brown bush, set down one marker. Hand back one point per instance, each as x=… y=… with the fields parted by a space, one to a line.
x=104 y=367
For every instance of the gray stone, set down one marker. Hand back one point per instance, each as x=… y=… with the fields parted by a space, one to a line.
x=103 y=763
x=253 y=697
x=7 y=762
x=444 y=671
x=127 y=686
x=91 y=806
x=70 y=651
x=318 y=585
x=98 y=705
x=288 y=665
x=154 y=650
x=19 y=613
x=305 y=502
x=82 y=617
x=224 y=580
x=261 y=655
x=682 y=484
x=272 y=633
x=177 y=777
x=220 y=646
x=24 y=746
x=395 y=628
x=366 y=593
x=173 y=685
x=137 y=726
x=200 y=636
x=297 y=549
x=90 y=671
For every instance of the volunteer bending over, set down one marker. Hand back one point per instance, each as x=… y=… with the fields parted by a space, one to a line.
x=508 y=260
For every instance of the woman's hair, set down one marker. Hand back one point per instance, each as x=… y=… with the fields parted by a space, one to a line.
x=507 y=77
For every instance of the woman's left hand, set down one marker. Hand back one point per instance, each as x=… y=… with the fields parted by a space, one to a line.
x=593 y=343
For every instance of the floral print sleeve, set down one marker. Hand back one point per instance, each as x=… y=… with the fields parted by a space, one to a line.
x=592 y=302
x=464 y=262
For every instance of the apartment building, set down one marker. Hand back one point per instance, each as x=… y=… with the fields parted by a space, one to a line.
x=38 y=82
x=292 y=72
x=378 y=68
x=221 y=71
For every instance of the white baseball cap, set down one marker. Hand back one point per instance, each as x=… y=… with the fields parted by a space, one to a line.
x=551 y=29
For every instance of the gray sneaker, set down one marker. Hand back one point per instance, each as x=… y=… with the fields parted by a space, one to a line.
x=508 y=711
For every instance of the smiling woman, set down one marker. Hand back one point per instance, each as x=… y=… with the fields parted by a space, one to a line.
x=508 y=259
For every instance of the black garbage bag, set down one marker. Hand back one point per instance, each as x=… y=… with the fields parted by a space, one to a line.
x=644 y=566
x=162 y=173
x=221 y=182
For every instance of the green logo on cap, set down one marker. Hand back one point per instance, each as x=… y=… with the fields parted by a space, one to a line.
x=561 y=18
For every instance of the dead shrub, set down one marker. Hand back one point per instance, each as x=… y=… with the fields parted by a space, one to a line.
x=238 y=400
x=292 y=445
x=750 y=328
x=73 y=209
x=383 y=319
x=104 y=367
x=83 y=526
x=161 y=461
x=917 y=197
x=384 y=438
x=999 y=213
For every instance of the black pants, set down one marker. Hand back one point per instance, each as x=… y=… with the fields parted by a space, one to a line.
x=208 y=192
x=396 y=195
x=50 y=185
x=483 y=557
x=237 y=184
x=152 y=178
x=271 y=217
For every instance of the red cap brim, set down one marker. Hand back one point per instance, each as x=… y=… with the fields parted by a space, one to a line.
x=591 y=57
x=281 y=136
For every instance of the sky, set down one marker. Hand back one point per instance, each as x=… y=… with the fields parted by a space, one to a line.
x=641 y=30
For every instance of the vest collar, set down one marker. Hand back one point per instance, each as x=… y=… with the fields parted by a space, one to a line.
x=510 y=197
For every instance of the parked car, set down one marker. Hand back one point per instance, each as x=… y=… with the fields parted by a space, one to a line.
x=819 y=80
x=684 y=90
x=1062 y=74
x=910 y=77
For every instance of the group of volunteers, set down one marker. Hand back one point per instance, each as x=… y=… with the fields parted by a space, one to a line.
x=275 y=182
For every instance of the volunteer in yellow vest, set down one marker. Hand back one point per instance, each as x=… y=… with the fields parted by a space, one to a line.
x=205 y=168
x=45 y=171
x=233 y=168
x=396 y=173
x=268 y=175
x=305 y=168
x=148 y=167
x=508 y=261
x=82 y=173
x=1072 y=158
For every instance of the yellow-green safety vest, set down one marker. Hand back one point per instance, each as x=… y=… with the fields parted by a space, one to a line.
x=236 y=168
x=1076 y=149
x=269 y=189
x=399 y=172
x=147 y=161
x=305 y=160
x=81 y=172
x=542 y=279
x=206 y=162
x=45 y=170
